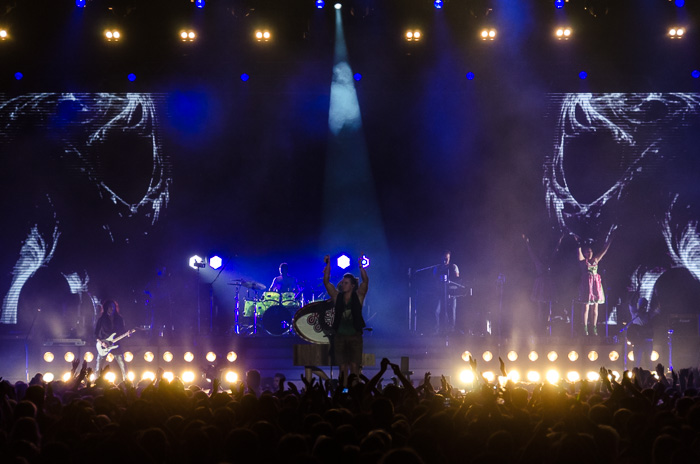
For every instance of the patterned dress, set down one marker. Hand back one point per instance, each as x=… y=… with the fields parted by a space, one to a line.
x=591 y=286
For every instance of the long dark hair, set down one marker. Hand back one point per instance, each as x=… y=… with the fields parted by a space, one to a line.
x=107 y=303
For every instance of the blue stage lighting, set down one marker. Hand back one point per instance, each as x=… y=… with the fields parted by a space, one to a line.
x=582 y=75
x=559 y=4
x=695 y=73
x=320 y=4
x=199 y=4
x=80 y=3
x=365 y=261
x=215 y=262
x=680 y=3
x=131 y=77
x=437 y=4
x=357 y=76
x=470 y=76
x=245 y=77
x=343 y=261
x=19 y=76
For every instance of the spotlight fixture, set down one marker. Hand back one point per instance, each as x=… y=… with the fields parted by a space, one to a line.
x=148 y=356
x=487 y=356
x=231 y=356
x=552 y=376
x=80 y=3
x=614 y=355
x=128 y=356
x=215 y=262
x=365 y=261
x=413 y=35
x=189 y=357
x=593 y=355
x=48 y=377
x=552 y=356
x=167 y=356
x=48 y=356
x=533 y=376
x=337 y=6
x=113 y=35
x=573 y=356
x=187 y=35
x=438 y=4
x=559 y=4
x=512 y=356
x=676 y=32
x=188 y=376
x=231 y=377
x=89 y=357
x=563 y=33
x=533 y=356
x=110 y=377
x=466 y=376
x=320 y=4
x=263 y=36
x=197 y=263
x=200 y=3
x=466 y=355
x=343 y=261
x=211 y=356
x=69 y=356
x=488 y=34
x=3 y=34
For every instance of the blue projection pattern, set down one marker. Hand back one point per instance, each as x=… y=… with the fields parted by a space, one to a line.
x=629 y=160
x=59 y=140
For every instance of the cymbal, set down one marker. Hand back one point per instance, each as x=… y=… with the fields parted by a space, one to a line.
x=248 y=284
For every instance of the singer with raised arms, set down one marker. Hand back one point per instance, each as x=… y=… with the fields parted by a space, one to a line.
x=348 y=323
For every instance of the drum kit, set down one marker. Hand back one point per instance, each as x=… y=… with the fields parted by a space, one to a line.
x=274 y=312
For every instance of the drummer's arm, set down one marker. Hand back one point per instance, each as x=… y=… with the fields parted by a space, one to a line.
x=330 y=288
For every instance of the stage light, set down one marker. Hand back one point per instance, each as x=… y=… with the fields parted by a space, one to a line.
x=196 y=262
x=189 y=357
x=487 y=356
x=66 y=376
x=654 y=356
x=320 y=4
x=337 y=6
x=364 y=261
x=111 y=377
x=187 y=36
x=148 y=375
x=470 y=76
x=582 y=75
x=88 y=356
x=215 y=262
x=533 y=356
x=199 y=3
x=676 y=32
x=695 y=73
x=167 y=356
x=533 y=376
x=563 y=33
x=211 y=356
x=558 y=4
x=438 y=4
x=592 y=355
x=148 y=356
x=514 y=376
x=466 y=355
x=512 y=356
x=19 y=76
x=614 y=355
x=552 y=376
x=466 y=376
x=110 y=357
x=593 y=376
x=128 y=356
x=130 y=376
x=48 y=377
x=169 y=376
x=245 y=77
x=263 y=36
x=48 y=356
x=231 y=356
x=489 y=376
x=131 y=77
x=188 y=376
x=69 y=356
x=231 y=377
x=80 y=3
x=92 y=377
x=573 y=376
x=357 y=77
x=113 y=35
x=615 y=375
x=413 y=35
x=630 y=356
x=680 y=3
x=488 y=34
x=552 y=356
x=3 y=34
x=343 y=261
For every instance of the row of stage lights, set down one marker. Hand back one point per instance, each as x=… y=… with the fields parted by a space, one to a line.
x=188 y=376
x=552 y=356
x=215 y=262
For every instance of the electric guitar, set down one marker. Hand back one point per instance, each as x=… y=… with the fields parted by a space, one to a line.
x=110 y=342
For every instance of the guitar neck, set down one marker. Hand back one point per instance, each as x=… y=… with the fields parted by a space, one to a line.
x=124 y=335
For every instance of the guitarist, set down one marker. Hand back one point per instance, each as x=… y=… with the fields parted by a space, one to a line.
x=110 y=322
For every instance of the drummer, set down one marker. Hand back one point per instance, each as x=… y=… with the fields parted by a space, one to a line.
x=284 y=282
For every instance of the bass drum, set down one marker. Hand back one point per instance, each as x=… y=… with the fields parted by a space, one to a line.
x=277 y=320
x=314 y=321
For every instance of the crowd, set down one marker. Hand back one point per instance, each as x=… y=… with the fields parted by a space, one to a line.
x=642 y=417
